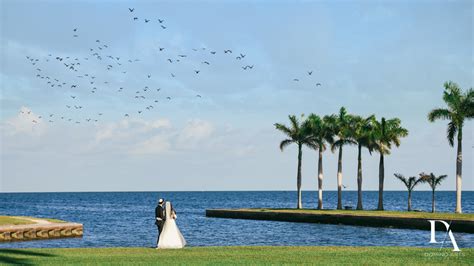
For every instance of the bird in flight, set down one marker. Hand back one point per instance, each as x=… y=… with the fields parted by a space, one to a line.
x=213 y=52
x=227 y=51
x=161 y=49
x=199 y=96
x=169 y=98
x=147 y=20
x=197 y=71
x=296 y=80
x=135 y=18
x=205 y=62
x=149 y=76
x=161 y=20
x=75 y=29
x=318 y=84
x=131 y=9
x=163 y=27
x=310 y=72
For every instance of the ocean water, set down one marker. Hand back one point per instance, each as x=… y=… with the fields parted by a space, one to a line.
x=127 y=218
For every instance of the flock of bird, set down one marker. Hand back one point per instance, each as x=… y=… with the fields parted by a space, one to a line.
x=84 y=78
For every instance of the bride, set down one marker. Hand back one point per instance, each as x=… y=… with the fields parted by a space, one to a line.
x=170 y=237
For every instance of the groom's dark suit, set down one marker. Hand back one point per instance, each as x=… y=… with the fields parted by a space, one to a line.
x=160 y=217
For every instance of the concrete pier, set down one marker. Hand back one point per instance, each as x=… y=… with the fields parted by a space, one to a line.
x=373 y=219
x=40 y=229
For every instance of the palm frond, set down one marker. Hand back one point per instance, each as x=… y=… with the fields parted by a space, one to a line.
x=403 y=179
x=284 y=129
x=452 y=95
x=294 y=121
x=439 y=113
x=284 y=143
x=451 y=132
x=440 y=179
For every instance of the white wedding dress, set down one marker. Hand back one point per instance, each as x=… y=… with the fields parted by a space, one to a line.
x=170 y=237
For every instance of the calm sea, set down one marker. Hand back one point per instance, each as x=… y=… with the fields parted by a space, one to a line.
x=127 y=218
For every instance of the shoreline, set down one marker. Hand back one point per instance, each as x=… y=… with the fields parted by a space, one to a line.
x=22 y=228
x=403 y=220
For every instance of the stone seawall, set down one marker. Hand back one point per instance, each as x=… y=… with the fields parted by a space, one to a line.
x=39 y=231
x=466 y=226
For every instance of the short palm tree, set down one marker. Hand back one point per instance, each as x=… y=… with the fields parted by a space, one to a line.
x=387 y=132
x=320 y=134
x=341 y=124
x=296 y=133
x=410 y=183
x=434 y=182
x=460 y=107
x=364 y=137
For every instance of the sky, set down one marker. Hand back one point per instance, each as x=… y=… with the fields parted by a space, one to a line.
x=388 y=58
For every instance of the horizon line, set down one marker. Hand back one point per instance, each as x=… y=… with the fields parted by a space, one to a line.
x=166 y=191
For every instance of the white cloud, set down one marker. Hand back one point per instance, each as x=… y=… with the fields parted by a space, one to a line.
x=194 y=133
x=129 y=128
x=25 y=122
x=155 y=145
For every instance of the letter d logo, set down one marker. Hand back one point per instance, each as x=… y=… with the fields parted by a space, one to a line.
x=450 y=233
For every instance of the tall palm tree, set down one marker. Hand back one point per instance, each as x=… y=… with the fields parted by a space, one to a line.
x=297 y=133
x=387 y=132
x=460 y=107
x=363 y=136
x=341 y=124
x=433 y=181
x=410 y=183
x=320 y=134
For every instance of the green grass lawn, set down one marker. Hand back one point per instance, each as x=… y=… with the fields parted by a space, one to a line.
x=424 y=215
x=20 y=220
x=240 y=255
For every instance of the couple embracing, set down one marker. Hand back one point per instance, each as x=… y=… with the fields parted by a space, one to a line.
x=169 y=235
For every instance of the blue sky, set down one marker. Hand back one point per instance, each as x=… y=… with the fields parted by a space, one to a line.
x=388 y=58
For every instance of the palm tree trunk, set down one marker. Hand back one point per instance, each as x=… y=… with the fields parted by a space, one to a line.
x=381 y=178
x=409 y=200
x=298 y=177
x=433 y=201
x=320 y=179
x=359 y=179
x=339 y=179
x=459 y=173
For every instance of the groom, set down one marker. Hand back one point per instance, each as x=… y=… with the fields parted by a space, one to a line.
x=160 y=217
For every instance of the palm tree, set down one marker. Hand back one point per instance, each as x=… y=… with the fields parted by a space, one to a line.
x=433 y=181
x=410 y=183
x=363 y=136
x=296 y=133
x=387 y=132
x=341 y=124
x=320 y=133
x=460 y=107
